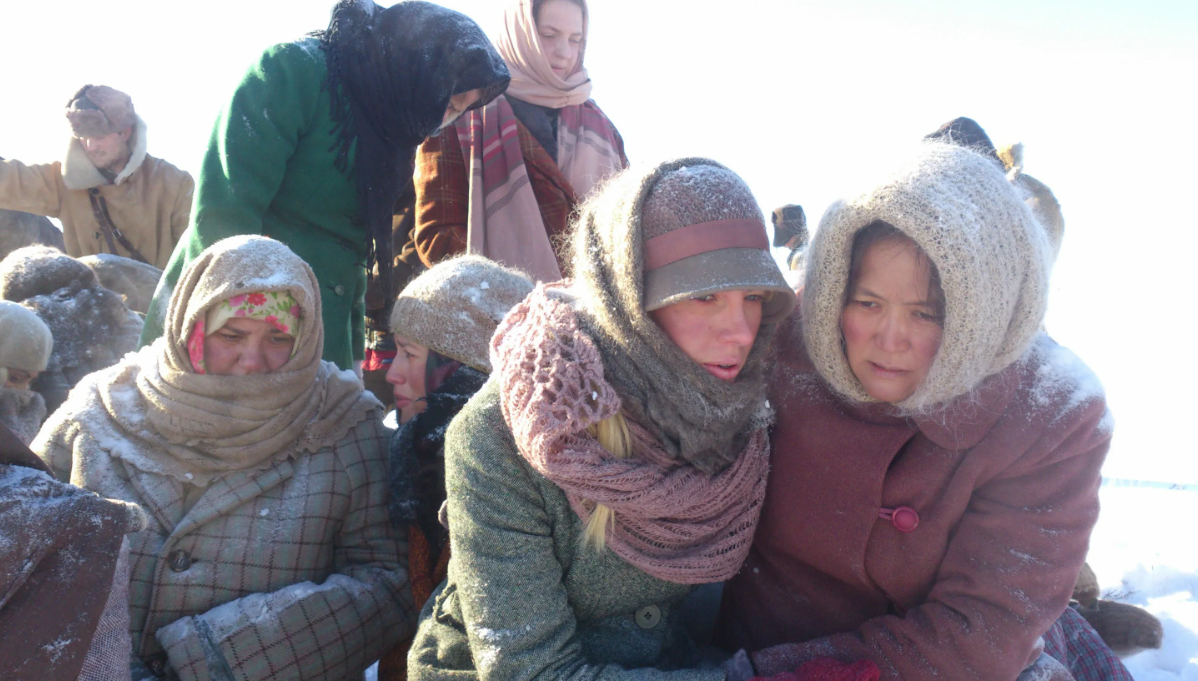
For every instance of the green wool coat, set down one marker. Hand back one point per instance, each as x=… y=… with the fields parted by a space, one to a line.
x=524 y=598
x=269 y=170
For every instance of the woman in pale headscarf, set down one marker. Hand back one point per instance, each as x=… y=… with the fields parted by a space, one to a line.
x=268 y=552
x=548 y=145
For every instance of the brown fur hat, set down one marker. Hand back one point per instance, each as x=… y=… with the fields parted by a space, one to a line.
x=98 y=110
x=39 y=270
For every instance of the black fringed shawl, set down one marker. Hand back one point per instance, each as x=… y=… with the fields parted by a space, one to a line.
x=391 y=74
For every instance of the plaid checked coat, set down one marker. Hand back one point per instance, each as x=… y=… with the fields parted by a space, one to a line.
x=292 y=572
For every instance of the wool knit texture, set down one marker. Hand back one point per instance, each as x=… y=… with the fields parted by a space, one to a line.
x=454 y=307
x=670 y=519
x=195 y=426
x=25 y=340
x=993 y=257
x=696 y=416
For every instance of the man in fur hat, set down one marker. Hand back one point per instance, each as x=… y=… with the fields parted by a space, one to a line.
x=111 y=196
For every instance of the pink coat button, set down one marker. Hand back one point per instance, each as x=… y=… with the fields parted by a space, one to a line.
x=904 y=518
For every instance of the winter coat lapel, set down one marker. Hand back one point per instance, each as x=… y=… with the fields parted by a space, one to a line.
x=230 y=491
x=164 y=496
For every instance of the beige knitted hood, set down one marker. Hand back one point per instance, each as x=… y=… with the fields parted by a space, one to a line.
x=993 y=256
x=454 y=307
x=194 y=426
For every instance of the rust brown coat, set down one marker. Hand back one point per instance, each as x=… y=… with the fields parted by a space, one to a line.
x=149 y=201
x=443 y=196
x=1005 y=485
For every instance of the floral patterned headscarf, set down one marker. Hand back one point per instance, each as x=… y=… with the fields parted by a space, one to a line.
x=277 y=308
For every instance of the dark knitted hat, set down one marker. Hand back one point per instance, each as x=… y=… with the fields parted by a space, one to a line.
x=705 y=233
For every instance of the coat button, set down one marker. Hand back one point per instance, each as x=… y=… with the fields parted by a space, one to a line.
x=339 y=289
x=179 y=560
x=648 y=616
x=904 y=518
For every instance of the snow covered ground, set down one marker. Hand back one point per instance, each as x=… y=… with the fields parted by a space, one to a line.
x=1145 y=551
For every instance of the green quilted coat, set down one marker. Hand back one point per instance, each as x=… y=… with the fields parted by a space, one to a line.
x=269 y=170
x=524 y=598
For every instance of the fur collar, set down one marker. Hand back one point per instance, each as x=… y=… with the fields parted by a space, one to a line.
x=79 y=173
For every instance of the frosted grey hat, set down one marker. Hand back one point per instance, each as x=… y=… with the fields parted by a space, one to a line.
x=704 y=233
x=454 y=308
x=25 y=340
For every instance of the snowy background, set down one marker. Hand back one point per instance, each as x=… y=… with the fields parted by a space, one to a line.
x=807 y=99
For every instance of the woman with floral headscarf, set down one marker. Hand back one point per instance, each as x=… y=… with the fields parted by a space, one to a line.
x=547 y=146
x=264 y=473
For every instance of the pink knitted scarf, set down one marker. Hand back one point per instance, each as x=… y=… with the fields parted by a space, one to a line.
x=670 y=520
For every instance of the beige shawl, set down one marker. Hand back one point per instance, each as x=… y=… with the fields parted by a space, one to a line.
x=193 y=427
x=533 y=80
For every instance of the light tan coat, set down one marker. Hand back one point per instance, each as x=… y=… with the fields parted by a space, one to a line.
x=149 y=201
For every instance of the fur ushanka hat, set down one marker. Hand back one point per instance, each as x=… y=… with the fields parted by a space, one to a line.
x=993 y=257
x=98 y=110
x=25 y=340
x=454 y=308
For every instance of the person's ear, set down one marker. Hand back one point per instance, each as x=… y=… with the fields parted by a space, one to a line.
x=126 y=134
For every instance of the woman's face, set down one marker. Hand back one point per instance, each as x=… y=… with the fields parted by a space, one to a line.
x=244 y=347
x=715 y=330
x=406 y=377
x=20 y=379
x=891 y=331
x=559 y=25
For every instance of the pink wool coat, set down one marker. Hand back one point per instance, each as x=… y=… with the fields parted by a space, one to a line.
x=1005 y=487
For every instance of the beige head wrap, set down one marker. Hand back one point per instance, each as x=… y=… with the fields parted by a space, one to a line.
x=198 y=425
x=533 y=80
x=993 y=257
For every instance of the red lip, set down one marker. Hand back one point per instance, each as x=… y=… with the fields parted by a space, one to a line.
x=402 y=402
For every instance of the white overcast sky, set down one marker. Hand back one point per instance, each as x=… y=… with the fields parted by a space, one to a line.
x=807 y=100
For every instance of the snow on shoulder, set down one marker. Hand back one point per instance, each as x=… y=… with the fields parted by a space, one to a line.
x=1063 y=382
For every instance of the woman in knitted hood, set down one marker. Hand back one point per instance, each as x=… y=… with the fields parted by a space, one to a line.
x=547 y=146
x=618 y=455
x=241 y=441
x=936 y=456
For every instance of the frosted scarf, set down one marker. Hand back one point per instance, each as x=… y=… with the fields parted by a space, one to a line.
x=194 y=426
x=671 y=520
